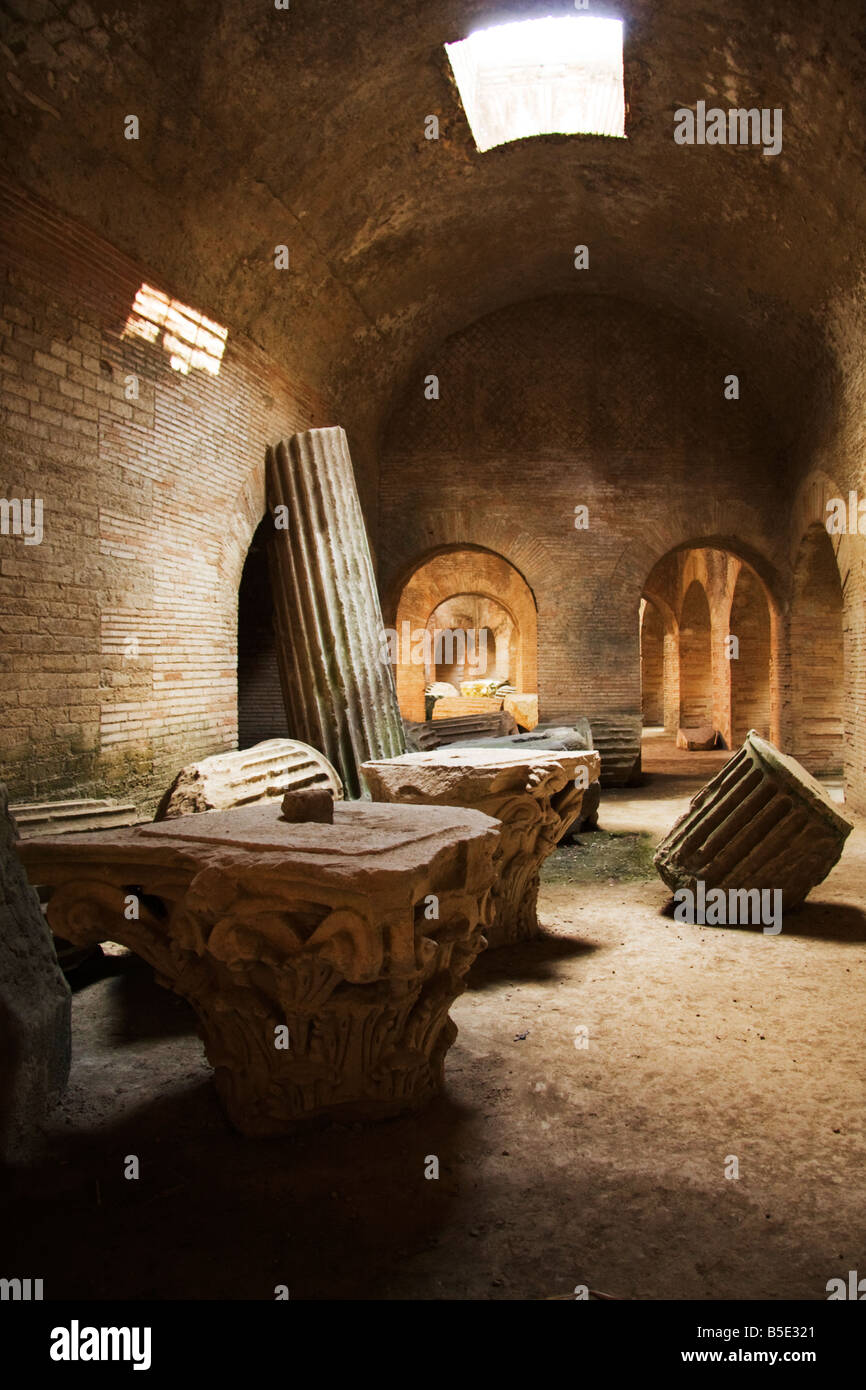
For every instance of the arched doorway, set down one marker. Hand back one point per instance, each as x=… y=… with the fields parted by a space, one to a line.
x=817 y=647
x=472 y=638
x=696 y=659
x=468 y=590
x=261 y=713
x=652 y=665
x=750 y=658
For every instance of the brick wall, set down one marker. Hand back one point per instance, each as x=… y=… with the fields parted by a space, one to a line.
x=709 y=597
x=553 y=404
x=818 y=651
x=751 y=668
x=119 y=630
x=652 y=666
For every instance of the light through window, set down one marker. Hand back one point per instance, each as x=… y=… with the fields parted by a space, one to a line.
x=541 y=77
x=190 y=339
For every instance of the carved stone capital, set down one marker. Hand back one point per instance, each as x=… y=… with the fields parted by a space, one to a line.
x=536 y=796
x=350 y=941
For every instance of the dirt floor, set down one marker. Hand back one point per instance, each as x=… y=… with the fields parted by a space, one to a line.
x=560 y=1165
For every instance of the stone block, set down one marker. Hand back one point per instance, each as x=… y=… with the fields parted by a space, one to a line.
x=617 y=737
x=697 y=738
x=461 y=705
x=546 y=738
x=761 y=822
x=480 y=687
x=440 y=689
x=421 y=738
x=314 y=804
x=533 y=794
x=321 y=960
x=524 y=708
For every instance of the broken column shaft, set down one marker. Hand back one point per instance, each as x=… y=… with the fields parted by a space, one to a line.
x=338 y=690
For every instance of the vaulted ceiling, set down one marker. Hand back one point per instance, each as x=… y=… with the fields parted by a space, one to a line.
x=306 y=127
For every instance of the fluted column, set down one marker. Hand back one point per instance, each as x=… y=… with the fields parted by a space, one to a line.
x=761 y=822
x=339 y=692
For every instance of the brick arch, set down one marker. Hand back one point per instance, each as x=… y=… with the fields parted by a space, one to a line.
x=462 y=570
x=718 y=566
x=817 y=649
x=652 y=664
x=810 y=509
x=247 y=513
x=493 y=649
x=696 y=657
x=751 y=669
x=671 y=655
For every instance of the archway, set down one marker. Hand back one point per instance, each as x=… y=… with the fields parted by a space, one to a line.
x=652 y=665
x=750 y=658
x=261 y=713
x=472 y=638
x=817 y=648
x=469 y=590
x=696 y=660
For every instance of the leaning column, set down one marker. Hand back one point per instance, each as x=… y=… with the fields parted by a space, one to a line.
x=338 y=690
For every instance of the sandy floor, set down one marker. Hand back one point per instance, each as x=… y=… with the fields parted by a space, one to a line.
x=602 y=1165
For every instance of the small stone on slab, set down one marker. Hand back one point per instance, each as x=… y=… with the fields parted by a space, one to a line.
x=312 y=804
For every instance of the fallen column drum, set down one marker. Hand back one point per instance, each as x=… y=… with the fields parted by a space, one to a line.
x=762 y=822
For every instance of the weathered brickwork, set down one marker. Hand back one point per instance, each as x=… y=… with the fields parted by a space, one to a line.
x=556 y=404
x=652 y=658
x=120 y=628
x=722 y=628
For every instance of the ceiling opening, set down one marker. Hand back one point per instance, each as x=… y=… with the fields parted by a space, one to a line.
x=541 y=77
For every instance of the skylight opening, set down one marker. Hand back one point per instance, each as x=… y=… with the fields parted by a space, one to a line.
x=541 y=77
x=190 y=339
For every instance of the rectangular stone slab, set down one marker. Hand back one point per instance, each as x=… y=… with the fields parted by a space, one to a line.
x=458 y=706
x=534 y=794
x=354 y=938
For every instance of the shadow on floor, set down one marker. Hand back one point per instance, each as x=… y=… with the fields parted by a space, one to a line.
x=134 y=1006
x=819 y=920
x=537 y=960
x=332 y=1212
